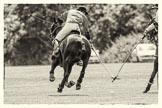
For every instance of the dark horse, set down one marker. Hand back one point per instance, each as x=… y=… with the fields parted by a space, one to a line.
x=70 y=53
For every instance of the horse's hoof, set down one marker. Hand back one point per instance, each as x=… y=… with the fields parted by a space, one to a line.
x=71 y=83
x=52 y=57
x=59 y=90
x=52 y=78
x=78 y=87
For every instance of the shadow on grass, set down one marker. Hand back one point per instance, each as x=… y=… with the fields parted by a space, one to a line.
x=151 y=92
x=68 y=95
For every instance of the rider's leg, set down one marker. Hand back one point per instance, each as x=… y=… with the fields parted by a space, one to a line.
x=155 y=70
x=66 y=30
x=61 y=35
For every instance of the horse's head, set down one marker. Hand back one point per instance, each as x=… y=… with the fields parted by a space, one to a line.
x=56 y=26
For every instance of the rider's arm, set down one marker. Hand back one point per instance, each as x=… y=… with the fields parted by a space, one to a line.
x=86 y=28
x=149 y=28
x=156 y=17
x=152 y=26
x=85 y=24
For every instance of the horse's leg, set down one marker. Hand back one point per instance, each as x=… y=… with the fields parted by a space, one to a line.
x=155 y=70
x=69 y=84
x=80 y=79
x=67 y=71
x=55 y=63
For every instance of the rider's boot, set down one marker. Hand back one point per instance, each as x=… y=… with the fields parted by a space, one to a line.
x=55 y=52
x=147 y=88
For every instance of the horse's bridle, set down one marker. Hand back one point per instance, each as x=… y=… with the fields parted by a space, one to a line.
x=55 y=31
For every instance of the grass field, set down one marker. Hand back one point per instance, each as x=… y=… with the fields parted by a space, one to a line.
x=30 y=85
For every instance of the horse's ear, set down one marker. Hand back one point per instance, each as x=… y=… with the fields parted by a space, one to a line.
x=54 y=20
x=60 y=21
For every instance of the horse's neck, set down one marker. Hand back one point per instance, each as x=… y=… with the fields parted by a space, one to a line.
x=58 y=29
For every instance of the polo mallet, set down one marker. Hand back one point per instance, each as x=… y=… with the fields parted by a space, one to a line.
x=127 y=58
x=102 y=62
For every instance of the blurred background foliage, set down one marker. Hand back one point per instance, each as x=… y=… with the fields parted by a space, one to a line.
x=115 y=28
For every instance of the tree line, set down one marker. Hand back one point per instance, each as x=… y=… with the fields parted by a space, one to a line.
x=27 y=39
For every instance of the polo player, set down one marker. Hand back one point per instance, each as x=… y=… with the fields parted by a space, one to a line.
x=76 y=19
x=153 y=26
